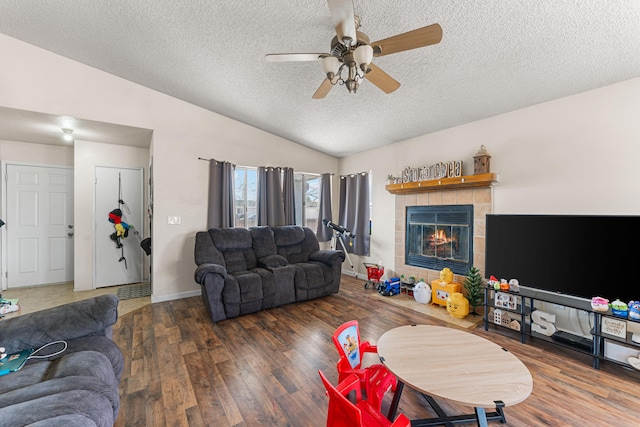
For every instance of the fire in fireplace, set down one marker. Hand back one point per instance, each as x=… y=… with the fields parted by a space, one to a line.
x=439 y=237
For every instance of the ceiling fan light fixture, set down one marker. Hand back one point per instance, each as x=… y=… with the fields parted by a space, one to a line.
x=363 y=56
x=331 y=66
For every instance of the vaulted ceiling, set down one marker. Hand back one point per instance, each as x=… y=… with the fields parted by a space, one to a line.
x=495 y=56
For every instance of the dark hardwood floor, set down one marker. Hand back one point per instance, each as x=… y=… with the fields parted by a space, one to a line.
x=261 y=369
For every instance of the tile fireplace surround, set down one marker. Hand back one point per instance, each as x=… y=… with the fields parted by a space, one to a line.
x=482 y=201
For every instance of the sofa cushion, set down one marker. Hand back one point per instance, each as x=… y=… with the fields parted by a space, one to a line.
x=102 y=345
x=205 y=251
x=235 y=244
x=295 y=243
x=59 y=385
x=69 y=420
x=264 y=243
x=288 y=235
x=71 y=321
x=31 y=373
x=231 y=238
x=88 y=404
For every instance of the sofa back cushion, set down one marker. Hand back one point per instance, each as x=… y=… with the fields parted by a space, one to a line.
x=236 y=248
x=295 y=243
x=205 y=251
x=264 y=243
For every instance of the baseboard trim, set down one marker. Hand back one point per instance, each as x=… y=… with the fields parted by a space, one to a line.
x=172 y=297
x=354 y=274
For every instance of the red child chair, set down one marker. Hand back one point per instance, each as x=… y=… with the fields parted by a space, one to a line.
x=344 y=413
x=375 y=380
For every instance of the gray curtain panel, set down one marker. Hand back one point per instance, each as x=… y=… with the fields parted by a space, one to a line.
x=289 y=196
x=221 y=194
x=324 y=233
x=354 y=211
x=270 y=200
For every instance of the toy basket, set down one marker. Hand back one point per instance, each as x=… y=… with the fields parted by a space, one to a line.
x=374 y=273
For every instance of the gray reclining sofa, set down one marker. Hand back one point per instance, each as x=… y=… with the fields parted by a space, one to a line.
x=242 y=271
x=79 y=387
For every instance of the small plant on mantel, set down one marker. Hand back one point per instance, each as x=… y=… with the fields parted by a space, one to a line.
x=474 y=284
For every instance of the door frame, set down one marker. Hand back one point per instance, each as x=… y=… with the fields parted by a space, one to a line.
x=3 y=211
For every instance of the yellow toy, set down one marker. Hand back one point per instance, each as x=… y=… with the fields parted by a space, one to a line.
x=442 y=288
x=458 y=305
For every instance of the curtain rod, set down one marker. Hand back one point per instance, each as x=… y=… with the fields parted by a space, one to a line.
x=256 y=167
x=353 y=174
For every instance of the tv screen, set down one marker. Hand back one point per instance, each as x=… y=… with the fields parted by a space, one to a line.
x=583 y=256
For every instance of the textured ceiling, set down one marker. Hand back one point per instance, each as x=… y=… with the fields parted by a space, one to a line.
x=495 y=56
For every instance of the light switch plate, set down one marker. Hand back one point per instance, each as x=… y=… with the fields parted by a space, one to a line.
x=173 y=220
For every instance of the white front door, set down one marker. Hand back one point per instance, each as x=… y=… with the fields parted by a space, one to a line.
x=39 y=225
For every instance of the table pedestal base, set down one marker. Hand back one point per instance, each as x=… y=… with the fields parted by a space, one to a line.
x=480 y=416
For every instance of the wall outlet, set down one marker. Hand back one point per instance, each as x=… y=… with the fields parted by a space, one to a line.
x=174 y=220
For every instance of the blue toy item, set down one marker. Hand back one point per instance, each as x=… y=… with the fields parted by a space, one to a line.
x=619 y=308
x=390 y=287
x=634 y=310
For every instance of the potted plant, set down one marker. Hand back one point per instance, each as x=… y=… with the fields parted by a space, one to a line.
x=474 y=284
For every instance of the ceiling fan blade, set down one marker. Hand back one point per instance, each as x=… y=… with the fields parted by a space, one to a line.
x=425 y=36
x=381 y=79
x=343 y=20
x=287 y=57
x=323 y=90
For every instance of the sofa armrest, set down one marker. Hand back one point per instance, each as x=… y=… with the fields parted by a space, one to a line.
x=93 y=316
x=273 y=261
x=203 y=269
x=327 y=256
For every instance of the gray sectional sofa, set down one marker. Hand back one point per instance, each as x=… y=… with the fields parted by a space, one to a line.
x=242 y=271
x=79 y=387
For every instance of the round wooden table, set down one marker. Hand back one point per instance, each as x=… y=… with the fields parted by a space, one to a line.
x=454 y=365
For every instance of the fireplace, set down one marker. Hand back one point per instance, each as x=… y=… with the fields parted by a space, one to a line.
x=439 y=237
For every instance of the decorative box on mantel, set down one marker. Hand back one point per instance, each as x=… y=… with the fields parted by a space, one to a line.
x=454 y=183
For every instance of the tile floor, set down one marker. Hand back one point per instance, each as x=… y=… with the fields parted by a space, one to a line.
x=35 y=298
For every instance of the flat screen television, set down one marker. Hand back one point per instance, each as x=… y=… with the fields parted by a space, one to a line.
x=577 y=255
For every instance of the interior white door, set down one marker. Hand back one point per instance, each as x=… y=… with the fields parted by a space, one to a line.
x=39 y=225
x=114 y=265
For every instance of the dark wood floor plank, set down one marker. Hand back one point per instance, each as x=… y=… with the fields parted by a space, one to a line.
x=261 y=369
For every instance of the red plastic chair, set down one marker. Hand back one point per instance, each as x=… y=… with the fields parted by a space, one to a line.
x=344 y=413
x=375 y=380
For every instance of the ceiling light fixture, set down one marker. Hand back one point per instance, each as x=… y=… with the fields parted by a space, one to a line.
x=355 y=60
x=68 y=134
x=352 y=57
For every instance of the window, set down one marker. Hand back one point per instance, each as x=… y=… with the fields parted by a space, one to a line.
x=246 y=180
x=307 y=194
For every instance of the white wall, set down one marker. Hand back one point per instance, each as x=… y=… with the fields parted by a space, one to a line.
x=38 y=80
x=88 y=155
x=578 y=154
x=36 y=153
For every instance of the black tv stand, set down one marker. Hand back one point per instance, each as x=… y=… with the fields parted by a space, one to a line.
x=573 y=340
x=515 y=316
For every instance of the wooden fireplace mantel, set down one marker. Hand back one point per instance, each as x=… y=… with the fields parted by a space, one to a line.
x=470 y=181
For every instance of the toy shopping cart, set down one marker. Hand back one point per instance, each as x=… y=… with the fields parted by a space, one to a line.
x=374 y=273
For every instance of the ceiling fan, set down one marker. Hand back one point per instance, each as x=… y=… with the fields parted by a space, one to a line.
x=351 y=51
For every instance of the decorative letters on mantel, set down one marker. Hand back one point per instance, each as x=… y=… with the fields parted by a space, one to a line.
x=424 y=173
x=455 y=183
x=442 y=176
